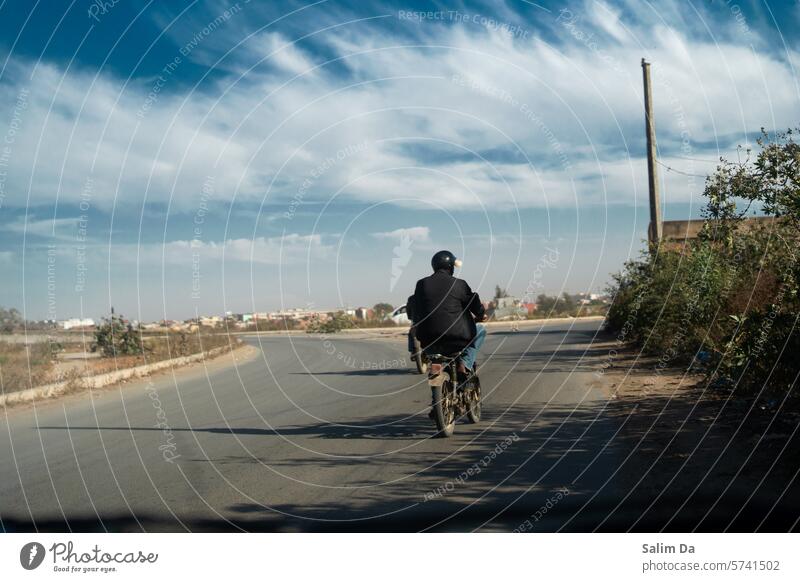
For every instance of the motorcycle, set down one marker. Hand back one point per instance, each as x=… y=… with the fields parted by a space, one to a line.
x=451 y=399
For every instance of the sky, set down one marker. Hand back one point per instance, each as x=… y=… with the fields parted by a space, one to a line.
x=180 y=158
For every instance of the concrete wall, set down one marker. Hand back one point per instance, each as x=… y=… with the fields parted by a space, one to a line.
x=680 y=230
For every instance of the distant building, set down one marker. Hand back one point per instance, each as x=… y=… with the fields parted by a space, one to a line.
x=210 y=321
x=364 y=313
x=75 y=323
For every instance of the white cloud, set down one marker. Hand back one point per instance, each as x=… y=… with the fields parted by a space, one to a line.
x=414 y=233
x=289 y=249
x=555 y=122
x=281 y=52
x=56 y=228
x=608 y=19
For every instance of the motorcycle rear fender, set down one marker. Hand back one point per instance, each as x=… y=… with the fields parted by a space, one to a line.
x=436 y=377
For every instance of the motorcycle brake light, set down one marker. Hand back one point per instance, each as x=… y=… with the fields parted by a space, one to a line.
x=436 y=369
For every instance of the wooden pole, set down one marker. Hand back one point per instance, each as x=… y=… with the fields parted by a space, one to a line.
x=654 y=231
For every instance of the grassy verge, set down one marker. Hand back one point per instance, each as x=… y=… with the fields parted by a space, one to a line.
x=24 y=366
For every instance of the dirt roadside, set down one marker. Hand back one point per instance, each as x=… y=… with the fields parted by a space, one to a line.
x=698 y=457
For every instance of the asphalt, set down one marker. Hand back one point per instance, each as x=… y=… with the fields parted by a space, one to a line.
x=326 y=434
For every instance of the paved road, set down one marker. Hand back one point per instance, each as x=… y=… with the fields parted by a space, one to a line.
x=324 y=434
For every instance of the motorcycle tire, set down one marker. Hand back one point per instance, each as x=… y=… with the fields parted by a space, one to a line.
x=475 y=407
x=420 y=359
x=443 y=415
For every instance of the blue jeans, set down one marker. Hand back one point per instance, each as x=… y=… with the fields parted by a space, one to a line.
x=471 y=351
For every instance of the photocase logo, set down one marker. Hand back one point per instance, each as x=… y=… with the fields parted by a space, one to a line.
x=402 y=255
x=31 y=555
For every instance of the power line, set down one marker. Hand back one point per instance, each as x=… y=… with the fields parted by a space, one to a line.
x=680 y=157
x=715 y=161
x=671 y=169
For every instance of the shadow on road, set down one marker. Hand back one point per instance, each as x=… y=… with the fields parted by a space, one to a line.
x=382 y=427
x=666 y=468
x=368 y=372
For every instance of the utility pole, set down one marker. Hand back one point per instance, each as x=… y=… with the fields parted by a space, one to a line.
x=654 y=232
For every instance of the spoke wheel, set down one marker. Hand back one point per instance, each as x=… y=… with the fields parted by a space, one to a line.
x=420 y=359
x=474 y=407
x=444 y=409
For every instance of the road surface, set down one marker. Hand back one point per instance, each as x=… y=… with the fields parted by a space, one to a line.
x=321 y=434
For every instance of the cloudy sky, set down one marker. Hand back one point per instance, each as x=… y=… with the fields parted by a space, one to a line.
x=174 y=158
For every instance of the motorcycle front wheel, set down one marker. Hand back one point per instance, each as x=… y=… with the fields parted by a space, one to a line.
x=474 y=408
x=444 y=413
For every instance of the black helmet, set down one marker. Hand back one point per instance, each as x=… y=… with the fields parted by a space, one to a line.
x=444 y=260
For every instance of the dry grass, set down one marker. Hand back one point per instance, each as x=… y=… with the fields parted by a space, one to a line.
x=22 y=367
x=163 y=347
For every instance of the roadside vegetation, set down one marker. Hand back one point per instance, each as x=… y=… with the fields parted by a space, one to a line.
x=337 y=322
x=10 y=320
x=116 y=338
x=726 y=303
x=118 y=344
x=23 y=366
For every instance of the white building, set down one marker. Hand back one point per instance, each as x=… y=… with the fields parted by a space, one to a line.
x=211 y=321
x=76 y=322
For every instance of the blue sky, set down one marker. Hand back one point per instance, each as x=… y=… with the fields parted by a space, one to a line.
x=174 y=158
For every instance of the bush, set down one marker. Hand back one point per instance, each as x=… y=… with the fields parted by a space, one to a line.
x=333 y=324
x=116 y=337
x=729 y=298
x=175 y=345
x=10 y=320
x=282 y=324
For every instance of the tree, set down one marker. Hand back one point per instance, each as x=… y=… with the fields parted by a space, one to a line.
x=10 y=319
x=382 y=310
x=116 y=337
x=546 y=304
x=499 y=292
x=568 y=303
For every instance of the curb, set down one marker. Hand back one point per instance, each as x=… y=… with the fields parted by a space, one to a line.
x=100 y=380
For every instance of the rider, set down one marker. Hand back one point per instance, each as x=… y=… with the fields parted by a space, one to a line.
x=445 y=310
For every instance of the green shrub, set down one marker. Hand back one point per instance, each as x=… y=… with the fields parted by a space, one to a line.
x=729 y=298
x=333 y=324
x=116 y=337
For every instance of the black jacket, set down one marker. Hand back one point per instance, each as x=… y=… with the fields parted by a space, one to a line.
x=410 y=308
x=443 y=310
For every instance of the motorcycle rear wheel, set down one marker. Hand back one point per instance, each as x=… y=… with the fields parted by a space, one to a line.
x=444 y=413
x=420 y=359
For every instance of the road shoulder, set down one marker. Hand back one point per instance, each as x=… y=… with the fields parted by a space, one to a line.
x=206 y=365
x=692 y=450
